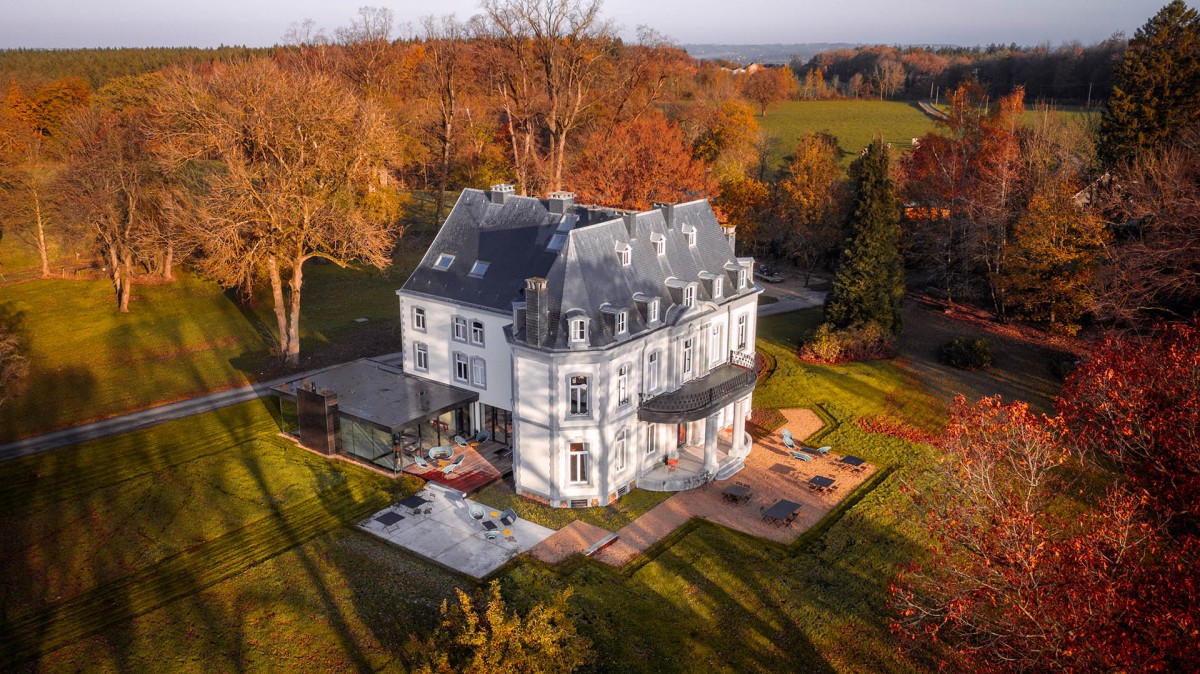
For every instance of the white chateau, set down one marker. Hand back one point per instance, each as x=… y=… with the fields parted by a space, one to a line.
x=608 y=349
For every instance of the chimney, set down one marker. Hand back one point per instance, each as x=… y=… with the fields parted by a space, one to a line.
x=668 y=213
x=561 y=202
x=500 y=193
x=730 y=234
x=537 y=319
x=630 y=219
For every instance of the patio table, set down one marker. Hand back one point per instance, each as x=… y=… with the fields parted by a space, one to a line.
x=821 y=481
x=736 y=493
x=414 y=501
x=389 y=518
x=781 y=511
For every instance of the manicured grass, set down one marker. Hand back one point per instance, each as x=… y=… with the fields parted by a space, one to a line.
x=630 y=507
x=103 y=532
x=855 y=123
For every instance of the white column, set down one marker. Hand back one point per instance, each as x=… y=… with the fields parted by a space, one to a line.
x=710 y=444
x=739 y=428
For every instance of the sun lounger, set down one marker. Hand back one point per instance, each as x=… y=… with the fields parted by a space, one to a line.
x=453 y=464
x=421 y=462
x=801 y=455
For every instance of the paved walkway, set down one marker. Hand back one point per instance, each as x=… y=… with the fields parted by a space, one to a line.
x=150 y=416
x=792 y=295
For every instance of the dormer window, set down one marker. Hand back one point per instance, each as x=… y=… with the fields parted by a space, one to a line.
x=624 y=255
x=742 y=278
x=652 y=312
x=622 y=322
x=718 y=284
x=689 y=296
x=660 y=244
x=479 y=269
x=578 y=330
x=690 y=233
x=443 y=262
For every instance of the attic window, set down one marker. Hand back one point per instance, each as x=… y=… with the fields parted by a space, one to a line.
x=660 y=245
x=625 y=256
x=717 y=285
x=479 y=269
x=556 y=242
x=652 y=311
x=622 y=323
x=689 y=296
x=691 y=237
x=443 y=262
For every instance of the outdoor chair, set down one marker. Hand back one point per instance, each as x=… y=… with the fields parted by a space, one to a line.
x=476 y=512
x=508 y=517
x=454 y=464
x=460 y=441
x=824 y=450
x=800 y=455
x=421 y=462
x=787 y=439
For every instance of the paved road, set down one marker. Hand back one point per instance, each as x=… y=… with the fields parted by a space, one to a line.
x=150 y=416
x=792 y=295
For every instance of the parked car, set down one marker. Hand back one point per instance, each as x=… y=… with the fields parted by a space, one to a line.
x=768 y=273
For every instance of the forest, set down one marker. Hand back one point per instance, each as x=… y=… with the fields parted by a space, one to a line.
x=245 y=165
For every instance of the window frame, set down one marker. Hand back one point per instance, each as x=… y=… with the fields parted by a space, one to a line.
x=458 y=329
x=421 y=356
x=579 y=405
x=443 y=261
x=478 y=372
x=476 y=326
x=660 y=246
x=578 y=463
x=716 y=342
x=718 y=285
x=420 y=319
x=652 y=311
x=743 y=332
x=653 y=361
x=623 y=396
x=688 y=358
x=578 y=330
x=741 y=280
x=621 y=449
x=625 y=255
x=689 y=295
x=622 y=322
x=462 y=367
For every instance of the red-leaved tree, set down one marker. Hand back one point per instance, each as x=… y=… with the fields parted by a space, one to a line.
x=1018 y=577
x=1137 y=402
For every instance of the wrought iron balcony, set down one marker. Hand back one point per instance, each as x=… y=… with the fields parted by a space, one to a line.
x=701 y=397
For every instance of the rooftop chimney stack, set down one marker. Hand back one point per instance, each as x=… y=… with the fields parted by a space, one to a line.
x=501 y=192
x=561 y=202
x=537 y=314
x=630 y=219
x=668 y=213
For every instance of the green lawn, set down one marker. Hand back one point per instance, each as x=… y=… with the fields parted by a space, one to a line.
x=855 y=123
x=212 y=544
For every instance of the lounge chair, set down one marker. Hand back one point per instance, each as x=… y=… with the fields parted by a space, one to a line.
x=800 y=455
x=824 y=450
x=421 y=462
x=453 y=464
x=508 y=517
x=787 y=439
x=460 y=441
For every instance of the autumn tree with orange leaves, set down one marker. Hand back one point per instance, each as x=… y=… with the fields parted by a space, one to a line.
x=637 y=163
x=1019 y=577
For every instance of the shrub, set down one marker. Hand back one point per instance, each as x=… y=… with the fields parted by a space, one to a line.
x=830 y=346
x=967 y=354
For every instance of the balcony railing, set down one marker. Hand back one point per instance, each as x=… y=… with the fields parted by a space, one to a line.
x=700 y=397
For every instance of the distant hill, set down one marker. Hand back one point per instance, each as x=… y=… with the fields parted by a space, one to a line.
x=746 y=54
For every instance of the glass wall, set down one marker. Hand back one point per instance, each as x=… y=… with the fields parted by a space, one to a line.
x=367 y=443
x=289 y=420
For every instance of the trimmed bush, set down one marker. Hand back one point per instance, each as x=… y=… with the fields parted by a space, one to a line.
x=967 y=354
x=829 y=346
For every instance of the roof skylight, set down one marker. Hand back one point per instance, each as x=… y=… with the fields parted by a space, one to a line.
x=479 y=269
x=443 y=262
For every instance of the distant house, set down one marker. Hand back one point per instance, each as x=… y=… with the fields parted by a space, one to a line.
x=608 y=350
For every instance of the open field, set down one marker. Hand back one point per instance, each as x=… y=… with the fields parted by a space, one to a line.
x=855 y=123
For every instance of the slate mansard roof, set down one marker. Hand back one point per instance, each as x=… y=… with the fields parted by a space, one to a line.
x=582 y=265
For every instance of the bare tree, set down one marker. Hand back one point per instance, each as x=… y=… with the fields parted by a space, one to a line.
x=297 y=168
x=551 y=59
x=446 y=74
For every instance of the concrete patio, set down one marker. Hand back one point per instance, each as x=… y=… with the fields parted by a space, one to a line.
x=448 y=535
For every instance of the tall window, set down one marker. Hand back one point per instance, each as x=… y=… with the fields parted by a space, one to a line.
x=420 y=356
x=651 y=440
x=626 y=256
x=660 y=246
x=621 y=449
x=689 y=351
x=652 y=371
x=623 y=385
x=689 y=296
x=741 y=332
x=716 y=348
x=579 y=463
x=691 y=237
x=741 y=278
x=578 y=330
x=579 y=395
x=460 y=328
x=478 y=372
x=477 y=332
x=461 y=367
x=622 y=322
x=419 y=318
x=718 y=286
x=652 y=311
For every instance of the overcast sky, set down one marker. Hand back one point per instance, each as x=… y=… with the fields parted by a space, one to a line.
x=206 y=23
